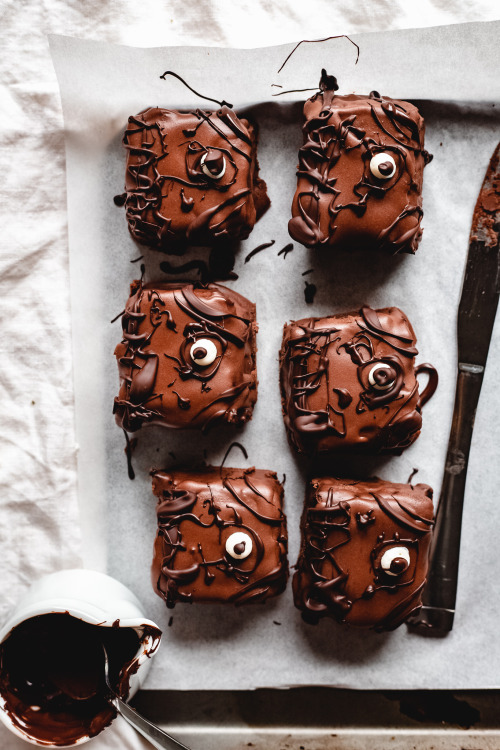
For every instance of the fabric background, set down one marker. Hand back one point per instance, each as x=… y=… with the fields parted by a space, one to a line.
x=39 y=529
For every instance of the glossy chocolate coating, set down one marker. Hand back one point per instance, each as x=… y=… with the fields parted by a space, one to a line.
x=364 y=553
x=349 y=382
x=52 y=676
x=192 y=178
x=170 y=331
x=198 y=514
x=339 y=201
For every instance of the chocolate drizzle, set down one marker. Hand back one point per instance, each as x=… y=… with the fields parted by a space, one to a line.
x=258 y=249
x=349 y=382
x=347 y=527
x=202 y=96
x=191 y=178
x=168 y=332
x=339 y=199
x=219 y=503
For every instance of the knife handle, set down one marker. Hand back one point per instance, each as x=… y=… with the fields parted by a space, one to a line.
x=438 y=609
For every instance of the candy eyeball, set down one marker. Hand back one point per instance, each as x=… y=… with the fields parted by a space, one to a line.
x=382 y=376
x=213 y=164
x=203 y=352
x=395 y=561
x=383 y=166
x=239 y=545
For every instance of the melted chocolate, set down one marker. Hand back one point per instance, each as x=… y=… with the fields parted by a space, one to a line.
x=349 y=382
x=347 y=527
x=222 y=103
x=197 y=513
x=165 y=328
x=310 y=292
x=52 y=676
x=285 y=250
x=259 y=249
x=339 y=200
x=192 y=178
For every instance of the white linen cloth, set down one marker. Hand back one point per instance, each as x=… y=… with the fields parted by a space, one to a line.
x=39 y=526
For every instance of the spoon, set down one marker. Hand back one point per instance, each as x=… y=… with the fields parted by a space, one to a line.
x=156 y=736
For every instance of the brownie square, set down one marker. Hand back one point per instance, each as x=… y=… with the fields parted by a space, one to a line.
x=187 y=357
x=364 y=553
x=192 y=178
x=349 y=382
x=359 y=179
x=221 y=536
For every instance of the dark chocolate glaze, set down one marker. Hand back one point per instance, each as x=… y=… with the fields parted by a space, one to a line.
x=347 y=527
x=197 y=513
x=349 y=382
x=52 y=675
x=192 y=178
x=339 y=201
x=166 y=330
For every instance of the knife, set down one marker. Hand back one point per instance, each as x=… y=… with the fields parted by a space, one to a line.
x=476 y=315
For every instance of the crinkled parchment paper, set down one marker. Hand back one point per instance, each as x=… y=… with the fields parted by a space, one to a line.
x=452 y=74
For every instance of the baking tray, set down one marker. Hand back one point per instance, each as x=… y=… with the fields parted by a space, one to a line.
x=327 y=719
x=217 y=648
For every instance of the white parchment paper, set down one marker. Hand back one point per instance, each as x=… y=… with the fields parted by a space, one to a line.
x=452 y=72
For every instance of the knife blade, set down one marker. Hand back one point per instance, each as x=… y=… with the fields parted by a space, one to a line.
x=476 y=316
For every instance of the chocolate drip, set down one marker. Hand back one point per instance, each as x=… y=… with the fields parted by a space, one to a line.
x=234 y=444
x=129 y=447
x=345 y=397
x=258 y=249
x=202 y=96
x=184 y=403
x=318 y=41
x=187 y=204
x=309 y=292
x=285 y=250
x=198 y=265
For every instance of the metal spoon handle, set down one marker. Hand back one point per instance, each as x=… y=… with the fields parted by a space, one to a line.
x=157 y=737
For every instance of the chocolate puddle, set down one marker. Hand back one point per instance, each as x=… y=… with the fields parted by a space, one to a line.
x=52 y=676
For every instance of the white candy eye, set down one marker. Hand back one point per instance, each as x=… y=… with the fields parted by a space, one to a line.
x=395 y=561
x=203 y=352
x=382 y=376
x=239 y=545
x=383 y=166
x=215 y=168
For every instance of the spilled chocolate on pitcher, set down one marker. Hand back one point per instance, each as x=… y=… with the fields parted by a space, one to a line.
x=52 y=676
